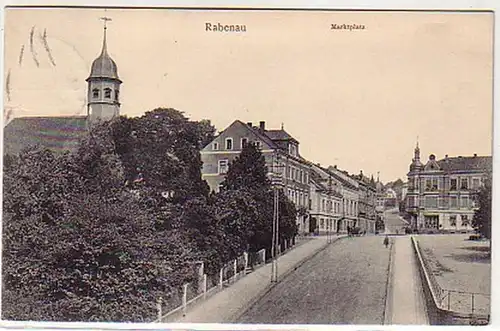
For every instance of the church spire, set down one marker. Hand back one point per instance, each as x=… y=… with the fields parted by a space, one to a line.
x=103 y=92
x=104 y=51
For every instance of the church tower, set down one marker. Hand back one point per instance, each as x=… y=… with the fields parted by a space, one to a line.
x=103 y=86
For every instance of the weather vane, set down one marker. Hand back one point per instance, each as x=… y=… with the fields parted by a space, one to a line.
x=105 y=19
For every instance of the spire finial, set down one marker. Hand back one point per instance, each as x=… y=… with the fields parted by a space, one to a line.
x=282 y=126
x=105 y=19
x=417 y=142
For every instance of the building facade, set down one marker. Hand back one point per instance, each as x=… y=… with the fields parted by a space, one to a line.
x=442 y=193
x=350 y=199
x=326 y=208
x=281 y=152
x=367 y=202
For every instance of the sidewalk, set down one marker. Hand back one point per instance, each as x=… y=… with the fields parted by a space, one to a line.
x=407 y=303
x=226 y=305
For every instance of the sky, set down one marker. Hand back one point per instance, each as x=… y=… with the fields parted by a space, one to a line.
x=357 y=99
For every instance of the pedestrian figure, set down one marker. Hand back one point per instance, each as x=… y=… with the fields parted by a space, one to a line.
x=386 y=241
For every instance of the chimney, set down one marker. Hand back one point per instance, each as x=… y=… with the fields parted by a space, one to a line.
x=475 y=155
x=249 y=124
x=262 y=125
x=446 y=156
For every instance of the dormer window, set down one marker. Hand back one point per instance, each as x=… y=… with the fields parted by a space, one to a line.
x=229 y=143
x=107 y=93
x=215 y=146
x=95 y=93
x=117 y=93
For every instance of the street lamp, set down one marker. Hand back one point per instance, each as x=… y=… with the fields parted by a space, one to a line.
x=276 y=182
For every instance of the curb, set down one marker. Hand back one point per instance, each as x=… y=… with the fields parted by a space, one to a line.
x=390 y=281
x=269 y=287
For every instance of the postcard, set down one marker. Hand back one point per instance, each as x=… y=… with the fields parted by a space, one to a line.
x=248 y=166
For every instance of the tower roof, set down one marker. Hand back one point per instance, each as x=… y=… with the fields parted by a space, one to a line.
x=104 y=66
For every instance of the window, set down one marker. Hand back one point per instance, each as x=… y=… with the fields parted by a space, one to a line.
x=244 y=142
x=453 y=220
x=464 y=183
x=453 y=184
x=442 y=202
x=95 y=93
x=411 y=201
x=229 y=143
x=464 y=202
x=453 y=202
x=215 y=146
x=434 y=184
x=116 y=95
x=428 y=184
x=465 y=220
x=431 y=202
x=223 y=166
x=258 y=144
x=476 y=183
x=107 y=93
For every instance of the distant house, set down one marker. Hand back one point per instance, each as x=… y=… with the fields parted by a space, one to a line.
x=442 y=193
x=280 y=150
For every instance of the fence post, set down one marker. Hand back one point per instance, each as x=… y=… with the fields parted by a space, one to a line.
x=449 y=295
x=184 y=299
x=204 y=286
x=158 y=307
x=264 y=256
x=220 y=277
x=235 y=264
x=245 y=255
x=473 y=303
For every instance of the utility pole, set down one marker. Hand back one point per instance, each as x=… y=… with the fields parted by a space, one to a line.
x=277 y=182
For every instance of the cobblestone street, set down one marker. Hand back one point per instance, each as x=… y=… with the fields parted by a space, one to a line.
x=344 y=284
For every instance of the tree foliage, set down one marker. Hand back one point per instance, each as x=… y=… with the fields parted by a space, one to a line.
x=247 y=180
x=482 y=216
x=79 y=245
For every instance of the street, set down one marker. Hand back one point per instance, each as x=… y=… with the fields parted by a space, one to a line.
x=344 y=284
x=394 y=224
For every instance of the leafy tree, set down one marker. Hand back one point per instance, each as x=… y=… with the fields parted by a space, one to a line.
x=79 y=246
x=247 y=171
x=482 y=216
x=247 y=178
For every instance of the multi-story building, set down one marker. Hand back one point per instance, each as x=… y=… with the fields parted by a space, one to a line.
x=350 y=198
x=442 y=193
x=367 y=203
x=280 y=150
x=326 y=201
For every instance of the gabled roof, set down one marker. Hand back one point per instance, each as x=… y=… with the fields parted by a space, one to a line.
x=56 y=133
x=477 y=163
x=279 y=135
x=319 y=181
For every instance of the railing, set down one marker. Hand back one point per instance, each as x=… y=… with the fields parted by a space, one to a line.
x=176 y=304
x=475 y=304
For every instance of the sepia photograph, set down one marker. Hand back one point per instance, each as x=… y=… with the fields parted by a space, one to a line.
x=247 y=166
